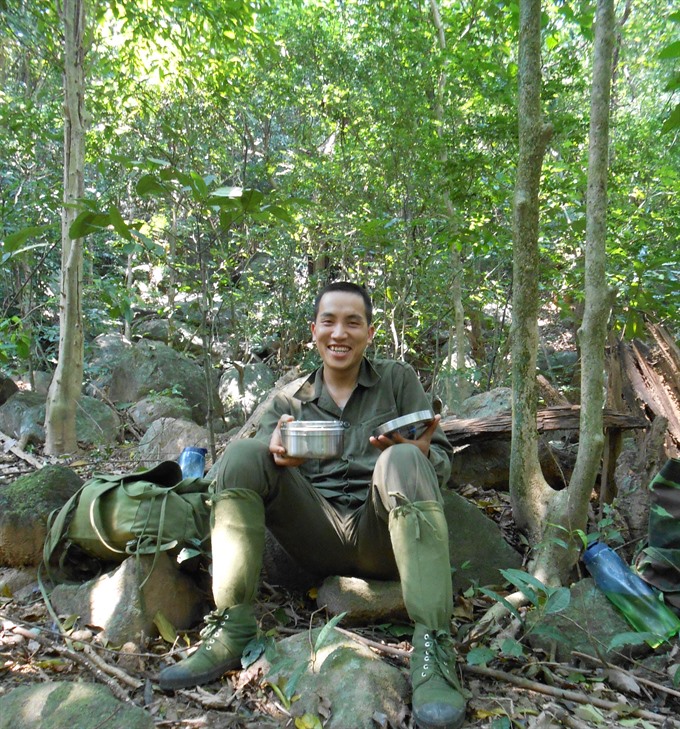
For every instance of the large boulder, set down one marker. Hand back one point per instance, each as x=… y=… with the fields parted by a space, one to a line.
x=25 y=506
x=129 y=372
x=7 y=388
x=150 y=409
x=125 y=603
x=242 y=388
x=69 y=705
x=341 y=677
x=23 y=417
x=166 y=438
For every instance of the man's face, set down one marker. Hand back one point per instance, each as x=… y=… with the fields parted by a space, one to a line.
x=341 y=330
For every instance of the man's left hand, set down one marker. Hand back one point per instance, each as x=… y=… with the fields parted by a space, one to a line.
x=383 y=442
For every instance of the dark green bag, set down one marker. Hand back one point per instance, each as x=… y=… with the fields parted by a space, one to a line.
x=114 y=516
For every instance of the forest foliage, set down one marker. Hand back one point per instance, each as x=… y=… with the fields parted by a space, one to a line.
x=241 y=153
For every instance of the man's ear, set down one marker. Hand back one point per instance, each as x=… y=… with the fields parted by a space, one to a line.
x=312 y=326
x=371 y=333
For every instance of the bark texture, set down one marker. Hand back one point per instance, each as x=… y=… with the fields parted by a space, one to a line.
x=64 y=392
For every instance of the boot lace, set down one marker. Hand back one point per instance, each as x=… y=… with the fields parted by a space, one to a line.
x=214 y=622
x=439 y=657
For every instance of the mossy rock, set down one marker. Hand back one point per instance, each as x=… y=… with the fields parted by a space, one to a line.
x=68 y=705
x=25 y=506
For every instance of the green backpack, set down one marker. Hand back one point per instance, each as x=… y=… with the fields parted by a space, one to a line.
x=114 y=516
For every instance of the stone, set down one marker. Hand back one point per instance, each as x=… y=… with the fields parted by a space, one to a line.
x=23 y=415
x=117 y=602
x=69 y=705
x=587 y=625
x=166 y=438
x=242 y=388
x=150 y=409
x=476 y=544
x=129 y=372
x=25 y=506
x=7 y=388
x=341 y=676
x=363 y=601
x=18 y=582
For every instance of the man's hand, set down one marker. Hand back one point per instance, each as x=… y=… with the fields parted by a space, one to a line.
x=276 y=446
x=383 y=442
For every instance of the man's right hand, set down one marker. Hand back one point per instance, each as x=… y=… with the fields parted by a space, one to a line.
x=278 y=451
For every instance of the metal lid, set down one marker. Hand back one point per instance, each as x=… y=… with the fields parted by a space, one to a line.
x=420 y=416
x=313 y=426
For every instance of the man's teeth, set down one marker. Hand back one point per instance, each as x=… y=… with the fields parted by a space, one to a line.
x=339 y=349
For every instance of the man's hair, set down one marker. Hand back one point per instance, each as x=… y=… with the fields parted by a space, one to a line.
x=349 y=288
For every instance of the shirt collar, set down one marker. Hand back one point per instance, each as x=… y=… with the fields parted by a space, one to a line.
x=310 y=390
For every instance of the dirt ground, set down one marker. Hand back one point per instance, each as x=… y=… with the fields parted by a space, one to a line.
x=527 y=690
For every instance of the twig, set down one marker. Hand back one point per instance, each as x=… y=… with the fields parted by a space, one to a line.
x=565 y=695
x=78 y=658
x=639 y=679
x=114 y=671
x=10 y=444
x=380 y=647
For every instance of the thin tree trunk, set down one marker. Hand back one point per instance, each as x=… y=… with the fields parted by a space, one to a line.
x=64 y=392
x=528 y=489
x=456 y=262
x=593 y=331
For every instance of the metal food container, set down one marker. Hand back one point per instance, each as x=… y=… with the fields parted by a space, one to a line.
x=410 y=426
x=313 y=438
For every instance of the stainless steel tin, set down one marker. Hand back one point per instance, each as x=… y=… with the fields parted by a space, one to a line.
x=410 y=426
x=313 y=438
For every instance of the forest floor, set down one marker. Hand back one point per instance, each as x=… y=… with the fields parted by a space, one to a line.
x=528 y=691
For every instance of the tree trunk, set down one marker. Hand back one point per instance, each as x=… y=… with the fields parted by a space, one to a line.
x=456 y=262
x=528 y=489
x=65 y=388
x=562 y=515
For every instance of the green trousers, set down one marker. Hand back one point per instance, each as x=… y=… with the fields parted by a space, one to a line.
x=321 y=537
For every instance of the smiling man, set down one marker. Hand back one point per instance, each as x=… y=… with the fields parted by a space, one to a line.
x=373 y=512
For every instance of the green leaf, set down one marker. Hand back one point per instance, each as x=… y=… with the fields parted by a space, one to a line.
x=480 y=656
x=557 y=601
x=511 y=647
x=495 y=596
x=119 y=225
x=308 y=721
x=671 y=51
x=231 y=192
x=165 y=627
x=151 y=185
x=632 y=638
x=673 y=121
x=325 y=632
x=89 y=222
x=14 y=240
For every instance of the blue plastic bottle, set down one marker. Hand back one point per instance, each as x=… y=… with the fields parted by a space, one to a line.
x=639 y=603
x=192 y=462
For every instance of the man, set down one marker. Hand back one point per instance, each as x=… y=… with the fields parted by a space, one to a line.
x=376 y=512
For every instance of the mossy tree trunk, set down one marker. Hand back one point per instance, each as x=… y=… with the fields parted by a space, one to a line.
x=65 y=388
x=552 y=519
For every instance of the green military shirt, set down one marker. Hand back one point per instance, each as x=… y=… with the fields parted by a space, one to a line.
x=385 y=389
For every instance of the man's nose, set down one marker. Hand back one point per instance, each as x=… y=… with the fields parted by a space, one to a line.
x=339 y=331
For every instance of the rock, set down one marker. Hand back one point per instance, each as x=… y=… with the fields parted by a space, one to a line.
x=342 y=677
x=242 y=388
x=7 y=388
x=18 y=582
x=124 y=610
x=487 y=404
x=23 y=416
x=128 y=373
x=587 y=625
x=364 y=601
x=150 y=409
x=166 y=438
x=478 y=550
x=25 y=506
x=69 y=705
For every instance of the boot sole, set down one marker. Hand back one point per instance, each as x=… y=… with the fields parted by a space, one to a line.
x=171 y=683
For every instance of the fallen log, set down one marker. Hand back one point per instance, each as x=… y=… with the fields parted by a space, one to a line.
x=460 y=431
